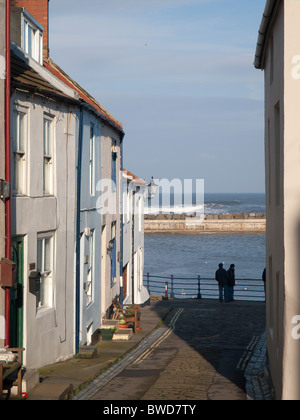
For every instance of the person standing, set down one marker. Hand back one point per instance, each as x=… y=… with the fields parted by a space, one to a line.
x=264 y=280
x=231 y=281
x=221 y=277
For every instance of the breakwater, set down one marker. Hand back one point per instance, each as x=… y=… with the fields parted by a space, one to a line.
x=208 y=223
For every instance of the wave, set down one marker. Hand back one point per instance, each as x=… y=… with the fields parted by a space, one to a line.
x=213 y=204
x=177 y=209
x=214 y=208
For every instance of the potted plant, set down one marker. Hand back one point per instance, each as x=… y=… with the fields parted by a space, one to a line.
x=123 y=324
x=107 y=333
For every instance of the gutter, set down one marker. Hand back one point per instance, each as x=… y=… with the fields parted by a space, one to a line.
x=7 y=165
x=263 y=32
x=77 y=290
x=43 y=72
x=122 y=223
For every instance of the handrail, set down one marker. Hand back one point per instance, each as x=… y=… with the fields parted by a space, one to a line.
x=206 y=288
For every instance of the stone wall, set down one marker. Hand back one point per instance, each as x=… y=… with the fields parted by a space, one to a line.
x=211 y=223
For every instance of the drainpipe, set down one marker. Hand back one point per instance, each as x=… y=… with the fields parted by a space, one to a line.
x=121 y=221
x=7 y=165
x=132 y=246
x=77 y=298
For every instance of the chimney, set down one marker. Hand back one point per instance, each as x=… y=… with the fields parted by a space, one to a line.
x=39 y=9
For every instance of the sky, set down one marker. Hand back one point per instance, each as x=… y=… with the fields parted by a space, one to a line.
x=179 y=76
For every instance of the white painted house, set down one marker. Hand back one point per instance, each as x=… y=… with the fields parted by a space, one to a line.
x=134 y=193
x=99 y=146
x=66 y=247
x=278 y=54
x=43 y=129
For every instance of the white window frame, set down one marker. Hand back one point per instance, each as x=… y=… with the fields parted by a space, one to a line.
x=91 y=268
x=140 y=268
x=45 y=264
x=20 y=141
x=33 y=45
x=92 y=160
x=141 y=214
x=48 y=150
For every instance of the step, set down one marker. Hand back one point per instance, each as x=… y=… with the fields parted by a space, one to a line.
x=109 y=323
x=123 y=334
x=30 y=379
x=51 y=391
x=87 y=352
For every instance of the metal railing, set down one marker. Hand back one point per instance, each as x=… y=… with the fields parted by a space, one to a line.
x=201 y=288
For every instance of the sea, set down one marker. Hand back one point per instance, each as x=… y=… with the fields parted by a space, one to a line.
x=189 y=256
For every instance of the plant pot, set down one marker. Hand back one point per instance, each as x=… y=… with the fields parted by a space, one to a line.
x=123 y=325
x=107 y=334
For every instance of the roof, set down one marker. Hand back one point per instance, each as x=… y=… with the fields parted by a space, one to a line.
x=264 y=30
x=85 y=96
x=131 y=177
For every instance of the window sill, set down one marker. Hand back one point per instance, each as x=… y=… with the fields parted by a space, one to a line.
x=19 y=194
x=43 y=311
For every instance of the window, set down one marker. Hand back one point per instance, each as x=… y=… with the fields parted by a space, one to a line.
x=33 y=39
x=114 y=167
x=270 y=291
x=20 y=135
x=277 y=148
x=269 y=164
x=48 y=156
x=44 y=293
x=140 y=214
x=113 y=255
x=271 y=60
x=90 y=272
x=140 y=269
x=92 y=161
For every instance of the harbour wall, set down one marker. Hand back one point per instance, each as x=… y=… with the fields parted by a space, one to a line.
x=209 y=223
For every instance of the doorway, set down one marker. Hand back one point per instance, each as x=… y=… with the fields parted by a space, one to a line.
x=16 y=295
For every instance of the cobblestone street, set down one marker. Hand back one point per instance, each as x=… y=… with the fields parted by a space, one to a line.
x=200 y=354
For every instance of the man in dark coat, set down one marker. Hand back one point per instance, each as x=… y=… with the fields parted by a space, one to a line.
x=231 y=281
x=264 y=280
x=222 y=279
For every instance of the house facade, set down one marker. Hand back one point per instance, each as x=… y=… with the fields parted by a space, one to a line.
x=134 y=193
x=43 y=188
x=98 y=225
x=278 y=54
x=66 y=247
x=2 y=156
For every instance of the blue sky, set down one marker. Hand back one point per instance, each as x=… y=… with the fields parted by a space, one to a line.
x=179 y=75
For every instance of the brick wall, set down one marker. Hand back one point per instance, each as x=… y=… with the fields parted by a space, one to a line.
x=39 y=10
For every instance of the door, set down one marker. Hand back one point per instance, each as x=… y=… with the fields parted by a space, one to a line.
x=125 y=282
x=113 y=255
x=16 y=295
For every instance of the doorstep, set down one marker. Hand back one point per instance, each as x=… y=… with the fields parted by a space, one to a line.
x=123 y=334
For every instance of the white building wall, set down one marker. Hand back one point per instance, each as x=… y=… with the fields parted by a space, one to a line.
x=291 y=187
x=133 y=241
x=274 y=109
x=282 y=110
x=111 y=208
x=90 y=229
x=48 y=330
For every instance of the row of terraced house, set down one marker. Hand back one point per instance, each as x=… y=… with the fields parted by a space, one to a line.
x=69 y=243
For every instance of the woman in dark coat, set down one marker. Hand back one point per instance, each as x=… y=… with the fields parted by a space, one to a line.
x=231 y=281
